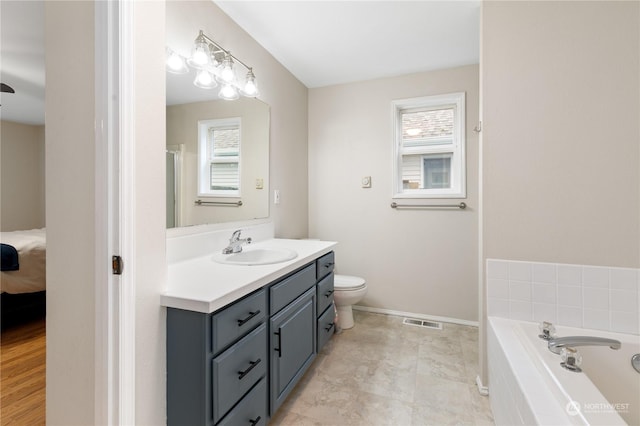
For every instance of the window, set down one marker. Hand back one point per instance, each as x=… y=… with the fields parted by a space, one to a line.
x=429 y=147
x=219 y=157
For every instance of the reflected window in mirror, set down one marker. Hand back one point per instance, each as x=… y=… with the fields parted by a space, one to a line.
x=219 y=157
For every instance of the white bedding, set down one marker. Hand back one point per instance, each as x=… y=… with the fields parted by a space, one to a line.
x=31 y=276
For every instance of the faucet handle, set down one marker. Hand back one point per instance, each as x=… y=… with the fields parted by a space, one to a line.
x=571 y=359
x=547 y=330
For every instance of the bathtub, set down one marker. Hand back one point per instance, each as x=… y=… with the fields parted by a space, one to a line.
x=528 y=386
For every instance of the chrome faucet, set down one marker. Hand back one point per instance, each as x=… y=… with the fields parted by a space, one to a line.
x=235 y=243
x=556 y=344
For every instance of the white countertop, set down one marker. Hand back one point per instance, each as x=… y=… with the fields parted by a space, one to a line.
x=202 y=285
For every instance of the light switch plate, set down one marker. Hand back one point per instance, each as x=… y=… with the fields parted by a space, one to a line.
x=366 y=182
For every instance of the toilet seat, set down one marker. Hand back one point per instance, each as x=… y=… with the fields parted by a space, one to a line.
x=348 y=283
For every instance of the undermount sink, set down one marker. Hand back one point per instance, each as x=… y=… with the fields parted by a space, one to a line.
x=256 y=256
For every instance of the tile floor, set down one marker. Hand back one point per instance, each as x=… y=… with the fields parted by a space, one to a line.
x=382 y=372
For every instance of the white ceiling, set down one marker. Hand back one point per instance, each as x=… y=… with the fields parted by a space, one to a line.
x=331 y=42
x=321 y=42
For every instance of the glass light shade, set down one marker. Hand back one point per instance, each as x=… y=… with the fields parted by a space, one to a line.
x=250 y=88
x=204 y=80
x=228 y=92
x=175 y=63
x=200 y=54
x=226 y=73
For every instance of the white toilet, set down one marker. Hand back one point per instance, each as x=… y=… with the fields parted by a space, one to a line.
x=348 y=291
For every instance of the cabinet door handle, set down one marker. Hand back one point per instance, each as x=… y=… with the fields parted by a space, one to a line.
x=279 y=348
x=328 y=293
x=242 y=322
x=329 y=326
x=255 y=421
x=251 y=367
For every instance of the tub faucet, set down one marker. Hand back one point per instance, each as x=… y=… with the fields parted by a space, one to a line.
x=556 y=344
x=235 y=243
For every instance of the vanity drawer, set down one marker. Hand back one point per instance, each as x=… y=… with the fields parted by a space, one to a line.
x=233 y=322
x=325 y=265
x=252 y=410
x=237 y=369
x=324 y=297
x=291 y=287
x=326 y=326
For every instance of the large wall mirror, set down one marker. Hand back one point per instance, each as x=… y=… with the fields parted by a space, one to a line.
x=217 y=150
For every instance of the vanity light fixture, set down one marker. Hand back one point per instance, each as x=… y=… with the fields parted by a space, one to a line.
x=213 y=64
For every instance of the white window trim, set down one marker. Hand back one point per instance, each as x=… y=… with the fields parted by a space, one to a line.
x=204 y=178
x=458 y=164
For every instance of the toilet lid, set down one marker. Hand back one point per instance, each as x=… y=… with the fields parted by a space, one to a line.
x=348 y=282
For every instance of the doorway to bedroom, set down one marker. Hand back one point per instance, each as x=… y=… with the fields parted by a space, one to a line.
x=22 y=214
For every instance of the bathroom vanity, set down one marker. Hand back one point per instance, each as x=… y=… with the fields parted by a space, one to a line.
x=239 y=338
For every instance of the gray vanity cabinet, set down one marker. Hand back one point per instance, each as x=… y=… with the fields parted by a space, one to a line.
x=237 y=365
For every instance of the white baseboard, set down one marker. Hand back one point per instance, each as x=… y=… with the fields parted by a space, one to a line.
x=483 y=390
x=414 y=315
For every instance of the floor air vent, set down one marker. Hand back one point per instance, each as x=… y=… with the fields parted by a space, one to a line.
x=423 y=323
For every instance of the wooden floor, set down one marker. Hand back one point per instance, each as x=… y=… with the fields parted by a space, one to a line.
x=22 y=374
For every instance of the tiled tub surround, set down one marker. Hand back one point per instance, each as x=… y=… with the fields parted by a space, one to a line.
x=594 y=297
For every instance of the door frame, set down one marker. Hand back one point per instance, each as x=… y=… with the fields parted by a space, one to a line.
x=115 y=213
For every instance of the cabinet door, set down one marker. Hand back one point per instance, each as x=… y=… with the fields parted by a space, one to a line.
x=292 y=345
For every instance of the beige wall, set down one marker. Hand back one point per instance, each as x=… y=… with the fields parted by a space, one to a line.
x=70 y=196
x=149 y=226
x=561 y=133
x=418 y=261
x=287 y=98
x=561 y=137
x=22 y=176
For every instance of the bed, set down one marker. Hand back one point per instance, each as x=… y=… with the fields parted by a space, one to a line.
x=23 y=274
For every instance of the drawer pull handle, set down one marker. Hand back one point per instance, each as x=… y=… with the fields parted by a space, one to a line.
x=255 y=421
x=251 y=367
x=279 y=348
x=328 y=265
x=329 y=327
x=328 y=294
x=251 y=315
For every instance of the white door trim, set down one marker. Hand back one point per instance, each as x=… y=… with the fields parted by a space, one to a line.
x=114 y=165
x=127 y=323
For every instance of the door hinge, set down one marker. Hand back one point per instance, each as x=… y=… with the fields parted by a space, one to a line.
x=116 y=265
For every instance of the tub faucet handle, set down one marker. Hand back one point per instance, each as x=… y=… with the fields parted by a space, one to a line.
x=571 y=359
x=547 y=330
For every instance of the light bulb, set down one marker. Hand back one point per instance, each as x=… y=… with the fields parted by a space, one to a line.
x=227 y=74
x=175 y=63
x=200 y=53
x=204 y=80
x=199 y=57
x=250 y=88
x=228 y=92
